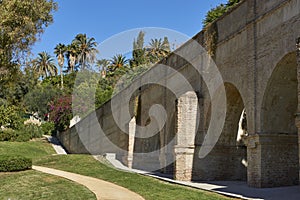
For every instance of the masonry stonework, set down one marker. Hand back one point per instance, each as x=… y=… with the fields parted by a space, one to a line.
x=297 y=121
x=256 y=56
x=184 y=148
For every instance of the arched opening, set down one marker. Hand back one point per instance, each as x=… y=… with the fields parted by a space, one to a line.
x=228 y=159
x=280 y=98
x=278 y=138
x=145 y=149
x=155 y=151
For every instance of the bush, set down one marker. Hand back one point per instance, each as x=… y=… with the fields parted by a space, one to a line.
x=14 y=163
x=47 y=128
x=8 y=135
x=31 y=130
x=61 y=112
x=14 y=136
x=21 y=137
x=218 y=11
x=10 y=117
x=24 y=134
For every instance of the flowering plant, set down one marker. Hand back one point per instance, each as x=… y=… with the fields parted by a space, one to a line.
x=61 y=112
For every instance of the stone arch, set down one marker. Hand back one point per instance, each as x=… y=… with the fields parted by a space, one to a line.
x=277 y=142
x=145 y=154
x=280 y=98
x=227 y=151
x=167 y=137
x=235 y=107
x=154 y=153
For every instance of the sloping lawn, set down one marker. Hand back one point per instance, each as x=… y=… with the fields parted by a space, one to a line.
x=33 y=149
x=33 y=185
x=149 y=188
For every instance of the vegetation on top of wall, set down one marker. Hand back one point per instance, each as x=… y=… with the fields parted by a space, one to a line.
x=218 y=11
x=211 y=30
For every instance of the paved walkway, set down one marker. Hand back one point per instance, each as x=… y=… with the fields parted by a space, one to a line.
x=228 y=188
x=56 y=145
x=102 y=189
x=235 y=189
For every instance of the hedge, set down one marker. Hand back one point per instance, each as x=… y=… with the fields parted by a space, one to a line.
x=25 y=134
x=14 y=163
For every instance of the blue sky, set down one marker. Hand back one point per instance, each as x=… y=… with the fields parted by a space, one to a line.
x=103 y=19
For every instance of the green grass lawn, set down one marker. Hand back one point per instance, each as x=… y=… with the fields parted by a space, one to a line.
x=33 y=185
x=33 y=149
x=149 y=188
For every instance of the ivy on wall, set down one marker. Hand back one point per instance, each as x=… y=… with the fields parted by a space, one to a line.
x=211 y=29
x=211 y=38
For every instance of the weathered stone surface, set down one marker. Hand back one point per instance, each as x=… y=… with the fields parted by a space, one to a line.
x=273 y=160
x=187 y=109
x=256 y=57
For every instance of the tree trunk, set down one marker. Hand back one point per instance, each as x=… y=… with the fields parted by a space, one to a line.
x=61 y=78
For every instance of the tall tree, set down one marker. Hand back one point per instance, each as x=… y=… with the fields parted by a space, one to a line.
x=138 y=53
x=86 y=50
x=60 y=50
x=139 y=44
x=71 y=53
x=117 y=62
x=103 y=66
x=166 y=45
x=21 y=22
x=158 y=49
x=45 y=66
x=38 y=98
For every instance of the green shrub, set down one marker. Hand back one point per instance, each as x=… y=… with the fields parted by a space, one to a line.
x=61 y=112
x=14 y=136
x=47 y=128
x=24 y=134
x=218 y=11
x=8 y=135
x=10 y=117
x=33 y=131
x=14 y=163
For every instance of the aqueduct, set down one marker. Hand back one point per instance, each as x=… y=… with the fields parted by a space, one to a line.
x=254 y=48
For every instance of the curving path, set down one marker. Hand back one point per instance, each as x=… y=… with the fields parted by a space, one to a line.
x=102 y=189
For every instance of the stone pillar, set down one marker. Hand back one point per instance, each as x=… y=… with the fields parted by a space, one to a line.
x=273 y=160
x=297 y=120
x=186 y=129
x=132 y=129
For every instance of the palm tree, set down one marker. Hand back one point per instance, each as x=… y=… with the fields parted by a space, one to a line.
x=103 y=65
x=158 y=49
x=44 y=65
x=60 y=50
x=71 y=54
x=86 y=49
x=156 y=44
x=118 y=61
